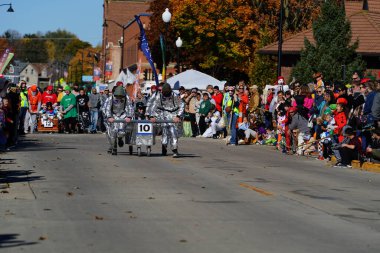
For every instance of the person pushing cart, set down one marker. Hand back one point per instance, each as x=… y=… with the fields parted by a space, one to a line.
x=119 y=107
x=167 y=106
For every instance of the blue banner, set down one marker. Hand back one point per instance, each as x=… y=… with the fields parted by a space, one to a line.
x=145 y=48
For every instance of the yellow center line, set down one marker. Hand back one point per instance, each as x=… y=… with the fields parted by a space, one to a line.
x=261 y=191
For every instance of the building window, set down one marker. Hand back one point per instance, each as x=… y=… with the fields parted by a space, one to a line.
x=26 y=71
x=27 y=79
x=32 y=71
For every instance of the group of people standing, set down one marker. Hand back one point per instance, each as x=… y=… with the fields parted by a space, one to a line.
x=321 y=118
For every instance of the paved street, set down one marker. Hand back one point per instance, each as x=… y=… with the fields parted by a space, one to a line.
x=64 y=193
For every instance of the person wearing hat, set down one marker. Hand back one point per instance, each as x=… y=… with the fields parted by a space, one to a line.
x=24 y=106
x=349 y=149
x=140 y=111
x=280 y=85
x=103 y=98
x=119 y=107
x=340 y=117
x=243 y=102
x=35 y=101
x=191 y=101
x=230 y=108
x=69 y=110
x=167 y=106
x=373 y=150
x=49 y=96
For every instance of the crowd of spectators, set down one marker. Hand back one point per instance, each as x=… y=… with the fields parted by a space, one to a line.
x=321 y=118
x=22 y=105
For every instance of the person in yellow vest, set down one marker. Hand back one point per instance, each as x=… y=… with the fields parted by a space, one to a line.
x=230 y=108
x=60 y=95
x=24 y=106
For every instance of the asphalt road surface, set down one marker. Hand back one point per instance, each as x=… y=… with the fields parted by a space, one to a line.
x=64 y=193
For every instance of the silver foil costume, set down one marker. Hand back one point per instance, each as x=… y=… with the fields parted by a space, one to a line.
x=119 y=109
x=167 y=108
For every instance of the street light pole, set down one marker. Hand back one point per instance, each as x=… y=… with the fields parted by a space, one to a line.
x=122 y=50
x=10 y=9
x=123 y=27
x=166 y=17
x=178 y=43
x=280 y=39
x=82 y=72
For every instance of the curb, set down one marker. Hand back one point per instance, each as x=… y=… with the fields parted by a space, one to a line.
x=366 y=166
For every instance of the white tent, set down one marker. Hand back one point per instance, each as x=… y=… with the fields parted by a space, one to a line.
x=192 y=78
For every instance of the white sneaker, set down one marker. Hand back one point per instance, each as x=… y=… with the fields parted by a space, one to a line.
x=241 y=142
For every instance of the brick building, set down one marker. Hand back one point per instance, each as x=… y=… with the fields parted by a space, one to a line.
x=364 y=16
x=121 y=12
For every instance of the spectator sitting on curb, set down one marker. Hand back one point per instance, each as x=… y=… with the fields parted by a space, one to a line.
x=248 y=133
x=374 y=149
x=216 y=125
x=349 y=149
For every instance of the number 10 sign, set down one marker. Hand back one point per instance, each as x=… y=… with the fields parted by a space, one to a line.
x=144 y=128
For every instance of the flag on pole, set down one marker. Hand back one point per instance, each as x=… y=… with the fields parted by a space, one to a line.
x=163 y=52
x=145 y=48
x=5 y=59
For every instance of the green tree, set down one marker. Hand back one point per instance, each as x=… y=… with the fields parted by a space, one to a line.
x=60 y=38
x=33 y=49
x=332 y=49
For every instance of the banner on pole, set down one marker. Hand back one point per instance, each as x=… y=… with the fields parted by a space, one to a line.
x=109 y=68
x=97 y=73
x=5 y=59
x=145 y=48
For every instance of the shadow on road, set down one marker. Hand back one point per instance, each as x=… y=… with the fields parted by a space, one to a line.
x=17 y=176
x=31 y=145
x=10 y=240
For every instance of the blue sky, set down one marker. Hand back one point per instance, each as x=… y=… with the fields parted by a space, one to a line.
x=81 y=17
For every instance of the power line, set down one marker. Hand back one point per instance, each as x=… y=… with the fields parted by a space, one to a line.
x=40 y=39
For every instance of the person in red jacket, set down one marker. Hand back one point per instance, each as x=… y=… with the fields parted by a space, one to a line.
x=49 y=96
x=218 y=98
x=244 y=99
x=340 y=118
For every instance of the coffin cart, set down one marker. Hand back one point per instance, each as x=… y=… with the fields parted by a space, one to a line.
x=48 y=125
x=142 y=133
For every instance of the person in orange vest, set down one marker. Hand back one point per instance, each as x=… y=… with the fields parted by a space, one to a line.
x=34 y=97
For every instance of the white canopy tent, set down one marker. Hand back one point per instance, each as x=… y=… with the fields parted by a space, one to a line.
x=193 y=79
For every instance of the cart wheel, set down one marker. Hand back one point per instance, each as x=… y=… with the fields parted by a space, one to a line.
x=148 y=151
x=130 y=149
x=139 y=151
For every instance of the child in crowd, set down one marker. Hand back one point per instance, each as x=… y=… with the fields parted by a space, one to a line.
x=247 y=131
x=324 y=145
x=269 y=138
x=340 y=118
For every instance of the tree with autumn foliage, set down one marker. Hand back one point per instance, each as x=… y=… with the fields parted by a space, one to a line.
x=221 y=37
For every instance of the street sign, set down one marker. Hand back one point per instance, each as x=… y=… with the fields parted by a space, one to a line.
x=87 y=79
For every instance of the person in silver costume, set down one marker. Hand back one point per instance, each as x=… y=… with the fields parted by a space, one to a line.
x=118 y=107
x=167 y=106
